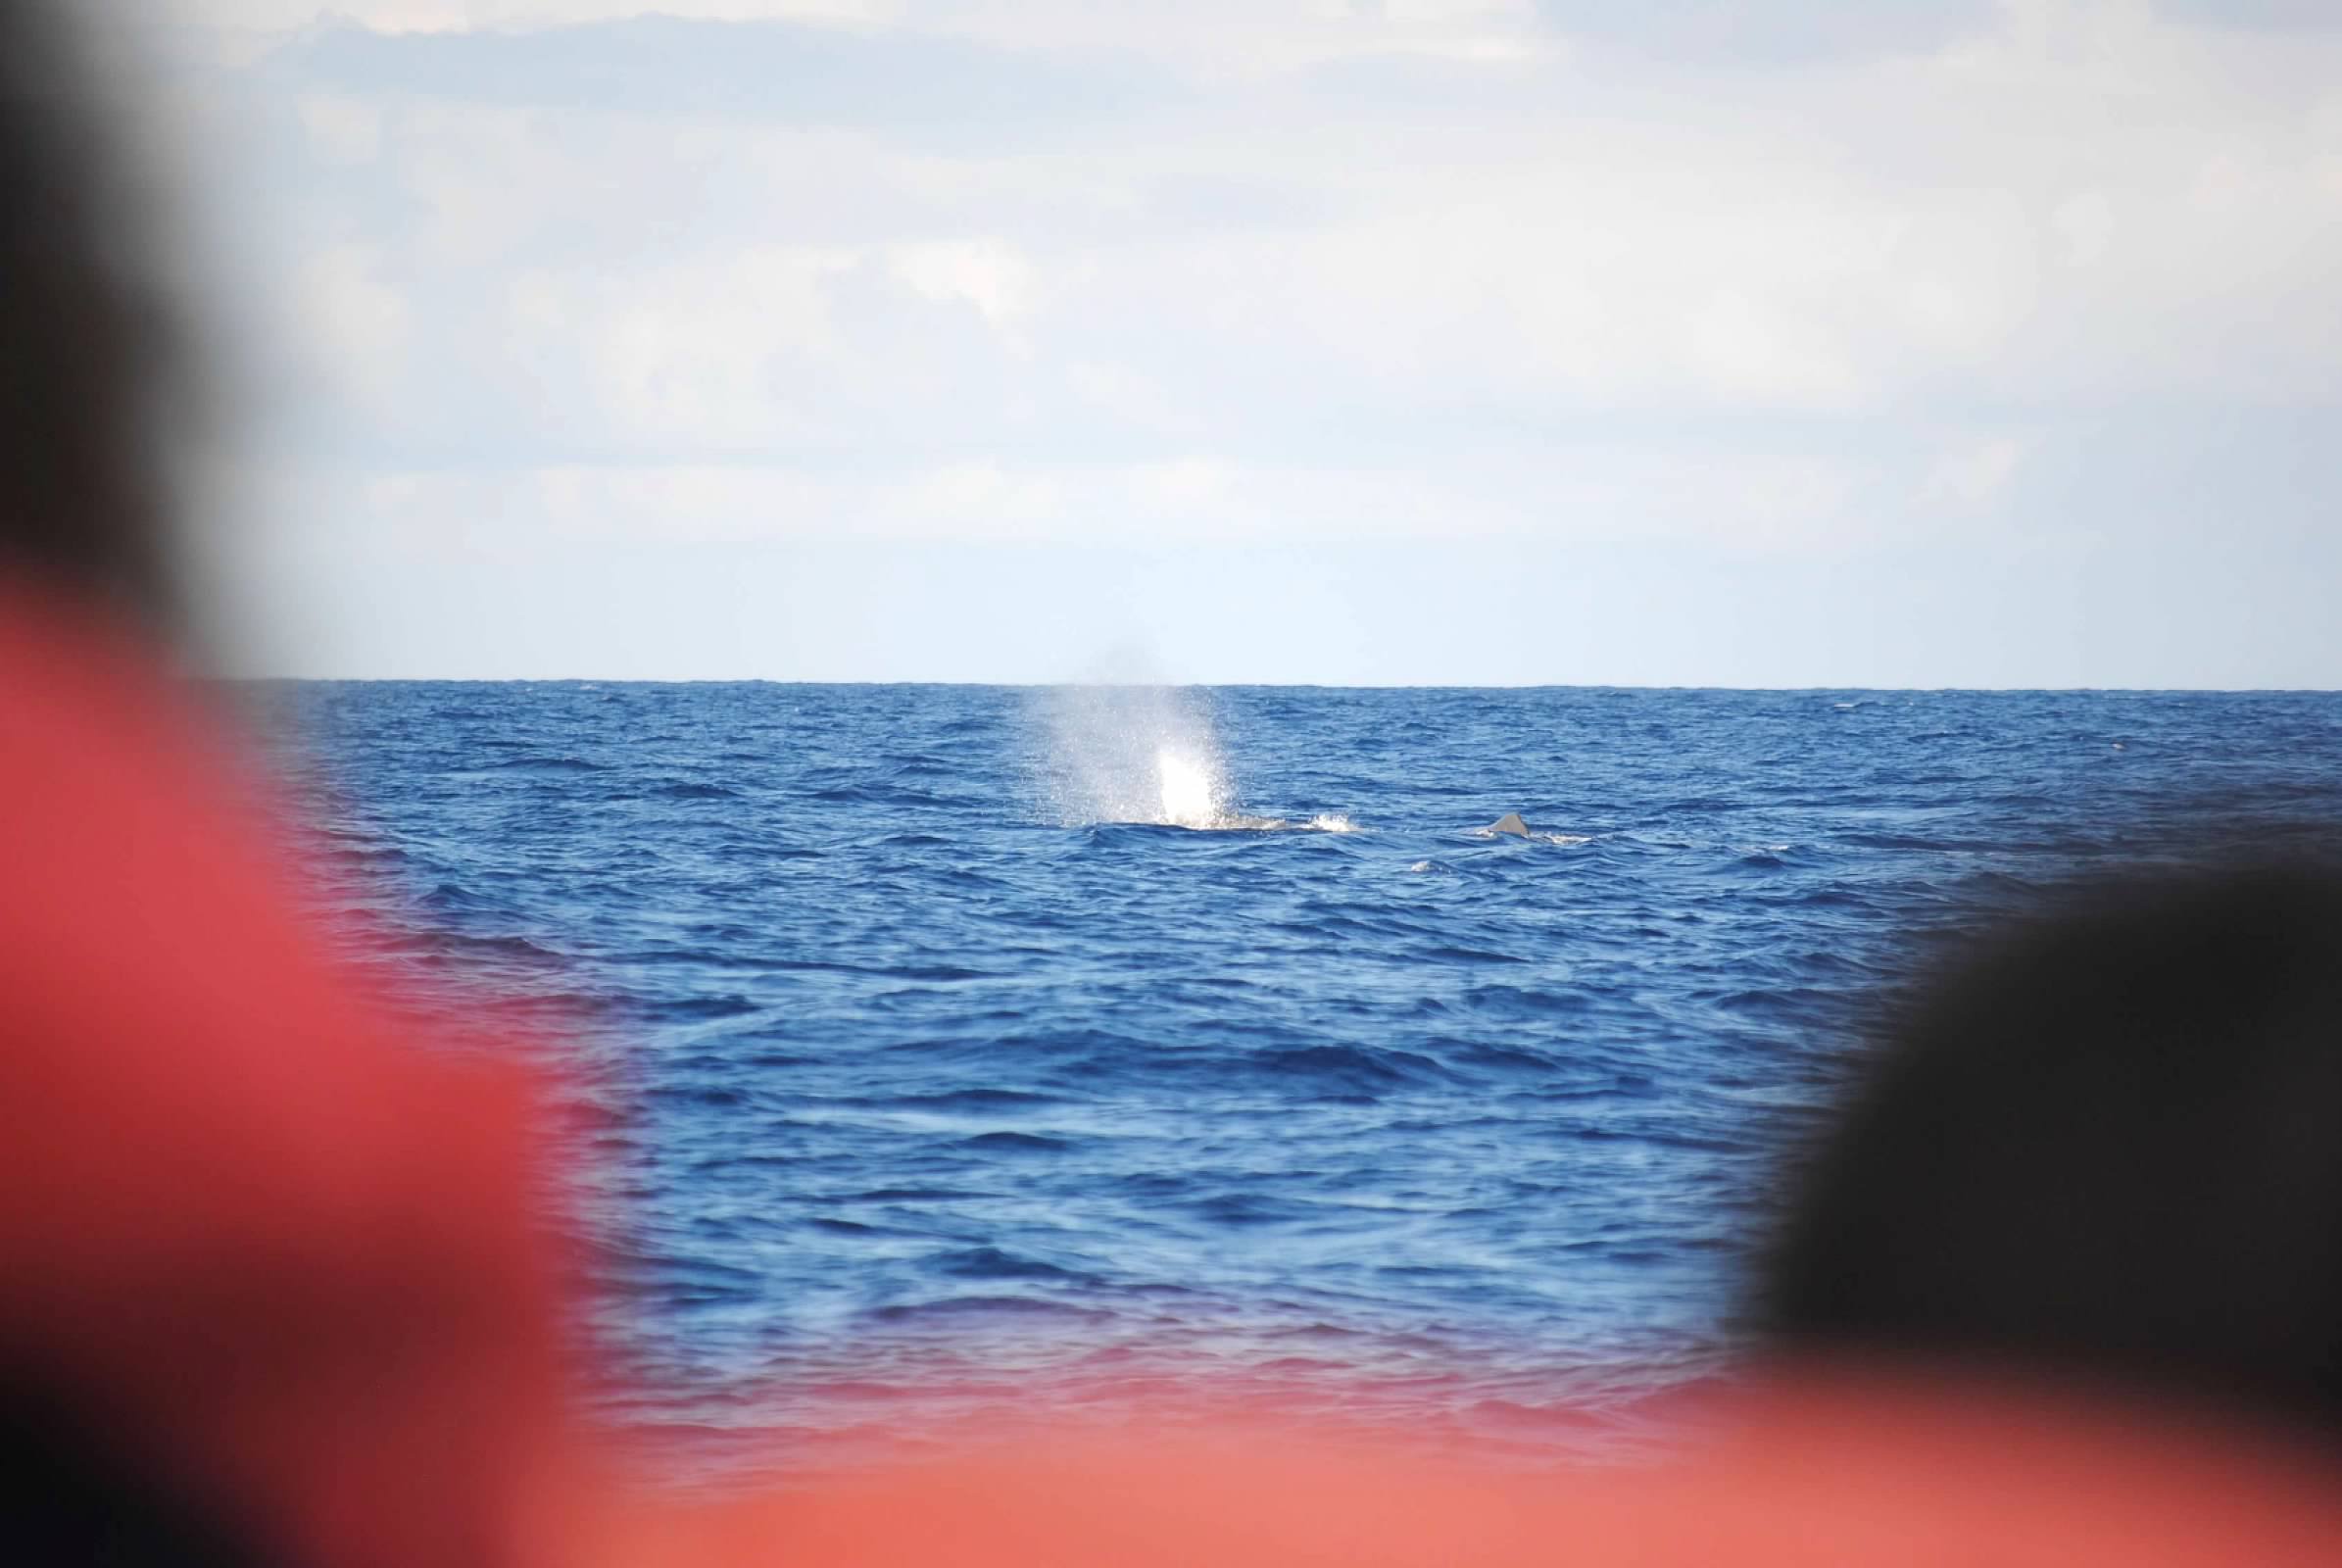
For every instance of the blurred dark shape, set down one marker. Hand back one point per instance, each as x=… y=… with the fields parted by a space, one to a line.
x=94 y=368
x=91 y=364
x=2106 y=1148
x=64 y=1499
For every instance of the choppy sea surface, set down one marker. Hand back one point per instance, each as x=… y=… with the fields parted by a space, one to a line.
x=970 y=1048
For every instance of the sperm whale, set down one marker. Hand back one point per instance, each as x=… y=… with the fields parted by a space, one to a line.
x=1509 y=822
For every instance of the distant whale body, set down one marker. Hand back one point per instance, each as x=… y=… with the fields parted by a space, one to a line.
x=1509 y=822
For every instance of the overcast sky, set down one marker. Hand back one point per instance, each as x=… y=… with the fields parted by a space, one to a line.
x=1682 y=342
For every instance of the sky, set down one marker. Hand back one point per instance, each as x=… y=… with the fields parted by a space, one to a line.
x=1690 y=342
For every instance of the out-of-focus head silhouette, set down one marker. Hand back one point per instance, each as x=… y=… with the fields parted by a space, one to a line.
x=2107 y=1145
x=93 y=369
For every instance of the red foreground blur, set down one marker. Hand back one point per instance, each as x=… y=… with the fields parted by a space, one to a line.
x=274 y=1253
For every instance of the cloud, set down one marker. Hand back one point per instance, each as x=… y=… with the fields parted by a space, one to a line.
x=1791 y=283
x=466 y=15
x=2270 y=15
x=1772 y=31
x=1973 y=474
x=357 y=323
x=780 y=70
x=1219 y=38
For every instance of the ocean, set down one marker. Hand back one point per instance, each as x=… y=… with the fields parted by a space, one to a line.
x=971 y=1049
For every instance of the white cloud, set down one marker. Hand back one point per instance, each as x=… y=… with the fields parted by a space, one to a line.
x=354 y=322
x=464 y=16
x=343 y=129
x=987 y=273
x=1233 y=271
x=1973 y=474
x=1758 y=254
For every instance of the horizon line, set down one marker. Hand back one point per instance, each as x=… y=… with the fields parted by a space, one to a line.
x=1248 y=685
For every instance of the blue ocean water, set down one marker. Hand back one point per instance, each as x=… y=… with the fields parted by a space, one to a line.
x=973 y=1046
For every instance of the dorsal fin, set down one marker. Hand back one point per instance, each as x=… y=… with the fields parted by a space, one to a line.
x=1509 y=822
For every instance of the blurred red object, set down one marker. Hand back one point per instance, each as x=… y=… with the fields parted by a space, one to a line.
x=287 y=1259
x=1809 y=1476
x=275 y=1253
